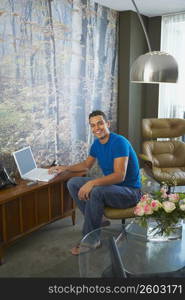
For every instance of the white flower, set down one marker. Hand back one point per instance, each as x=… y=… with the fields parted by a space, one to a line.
x=182 y=207
x=168 y=206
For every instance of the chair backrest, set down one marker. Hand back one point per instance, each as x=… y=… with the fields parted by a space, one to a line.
x=163 y=128
x=164 y=154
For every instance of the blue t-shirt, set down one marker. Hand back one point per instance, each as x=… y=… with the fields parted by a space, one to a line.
x=117 y=146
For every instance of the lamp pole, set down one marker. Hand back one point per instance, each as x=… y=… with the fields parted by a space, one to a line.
x=143 y=25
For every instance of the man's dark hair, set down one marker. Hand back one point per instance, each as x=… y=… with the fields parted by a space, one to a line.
x=98 y=113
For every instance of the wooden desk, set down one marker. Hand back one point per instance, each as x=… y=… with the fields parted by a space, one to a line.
x=24 y=209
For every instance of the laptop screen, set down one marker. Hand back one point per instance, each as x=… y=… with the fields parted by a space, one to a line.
x=25 y=161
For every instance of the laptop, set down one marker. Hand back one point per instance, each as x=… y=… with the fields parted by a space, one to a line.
x=27 y=166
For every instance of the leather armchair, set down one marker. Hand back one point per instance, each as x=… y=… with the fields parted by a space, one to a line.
x=164 y=160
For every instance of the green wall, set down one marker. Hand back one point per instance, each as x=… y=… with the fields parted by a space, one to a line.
x=135 y=101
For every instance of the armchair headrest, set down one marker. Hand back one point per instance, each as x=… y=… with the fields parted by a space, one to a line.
x=163 y=128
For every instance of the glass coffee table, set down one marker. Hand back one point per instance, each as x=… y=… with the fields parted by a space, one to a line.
x=126 y=252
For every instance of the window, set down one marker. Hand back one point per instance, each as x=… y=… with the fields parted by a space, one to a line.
x=172 y=96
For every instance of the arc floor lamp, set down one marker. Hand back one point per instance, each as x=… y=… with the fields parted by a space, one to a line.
x=153 y=66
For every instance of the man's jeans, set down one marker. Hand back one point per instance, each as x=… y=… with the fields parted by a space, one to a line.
x=101 y=196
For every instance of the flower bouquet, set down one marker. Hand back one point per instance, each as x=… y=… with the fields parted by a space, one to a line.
x=166 y=209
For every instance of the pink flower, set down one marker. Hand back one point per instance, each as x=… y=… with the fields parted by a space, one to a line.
x=173 y=198
x=155 y=204
x=145 y=198
x=163 y=191
x=139 y=210
x=168 y=206
x=148 y=209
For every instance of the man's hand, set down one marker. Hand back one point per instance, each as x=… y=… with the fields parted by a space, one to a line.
x=57 y=169
x=85 y=190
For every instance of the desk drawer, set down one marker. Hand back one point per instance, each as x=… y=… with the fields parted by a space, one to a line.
x=12 y=224
x=42 y=206
x=28 y=204
x=1 y=225
x=56 y=200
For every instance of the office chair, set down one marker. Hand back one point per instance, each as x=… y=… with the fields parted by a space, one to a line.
x=164 y=160
x=119 y=213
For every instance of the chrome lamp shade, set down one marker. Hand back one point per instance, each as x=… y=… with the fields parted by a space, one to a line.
x=154 y=67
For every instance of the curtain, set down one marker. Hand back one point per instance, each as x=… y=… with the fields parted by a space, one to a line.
x=58 y=62
x=171 y=96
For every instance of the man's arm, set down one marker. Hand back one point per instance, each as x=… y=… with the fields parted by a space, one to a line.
x=82 y=166
x=120 y=168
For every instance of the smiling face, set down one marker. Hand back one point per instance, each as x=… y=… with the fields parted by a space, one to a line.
x=100 y=128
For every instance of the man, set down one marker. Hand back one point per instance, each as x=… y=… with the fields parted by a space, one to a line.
x=120 y=185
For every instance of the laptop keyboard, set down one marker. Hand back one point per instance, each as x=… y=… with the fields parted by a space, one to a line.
x=41 y=174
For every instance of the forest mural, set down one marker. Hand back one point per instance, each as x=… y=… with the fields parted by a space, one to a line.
x=58 y=62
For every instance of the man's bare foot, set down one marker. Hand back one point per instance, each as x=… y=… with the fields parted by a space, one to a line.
x=82 y=248
x=75 y=250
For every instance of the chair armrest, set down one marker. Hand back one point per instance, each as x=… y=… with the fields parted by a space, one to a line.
x=147 y=161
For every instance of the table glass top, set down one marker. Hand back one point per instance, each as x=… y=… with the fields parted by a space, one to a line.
x=139 y=256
